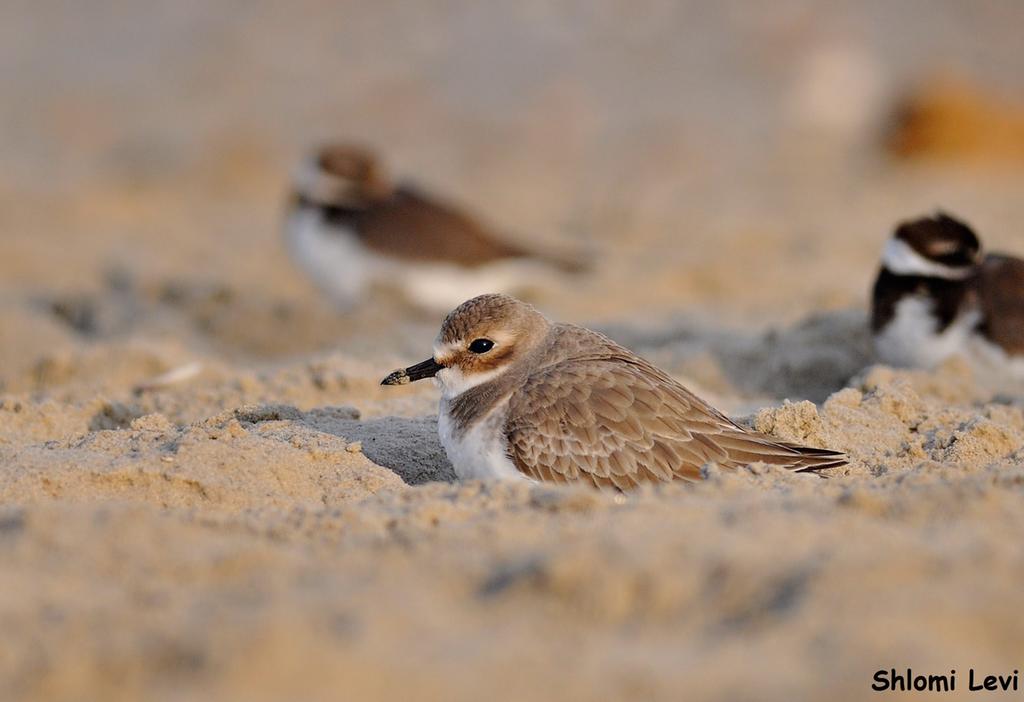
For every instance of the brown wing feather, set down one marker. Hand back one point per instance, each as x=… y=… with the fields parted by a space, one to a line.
x=414 y=227
x=1002 y=299
x=618 y=422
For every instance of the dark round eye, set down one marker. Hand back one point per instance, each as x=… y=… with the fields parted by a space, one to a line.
x=481 y=345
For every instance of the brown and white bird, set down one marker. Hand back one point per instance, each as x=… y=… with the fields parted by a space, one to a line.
x=351 y=229
x=936 y=296
x=523 y=397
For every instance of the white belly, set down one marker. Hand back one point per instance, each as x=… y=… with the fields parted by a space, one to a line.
x=335 y=260
x=481 y=452
x=911 y=340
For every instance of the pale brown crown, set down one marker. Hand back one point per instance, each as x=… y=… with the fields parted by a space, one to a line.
x=343 y=175
x=512 y=326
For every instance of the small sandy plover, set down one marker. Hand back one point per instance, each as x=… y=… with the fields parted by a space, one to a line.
x=522 y=397
x=350 y=229
x=936 y=296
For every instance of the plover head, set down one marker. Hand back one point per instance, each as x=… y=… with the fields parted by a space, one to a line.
x=933 y=247
x=479 y=340
x=924 y=306
x=341 y=175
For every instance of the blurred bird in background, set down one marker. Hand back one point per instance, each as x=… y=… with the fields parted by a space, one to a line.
x=351 y=230
x=936 y=296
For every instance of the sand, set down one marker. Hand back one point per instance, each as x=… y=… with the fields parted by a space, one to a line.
x=274 y=525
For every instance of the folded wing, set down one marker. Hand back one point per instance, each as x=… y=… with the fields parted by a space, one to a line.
x=619 y=422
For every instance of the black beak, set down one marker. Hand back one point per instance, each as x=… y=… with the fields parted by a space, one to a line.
x=424 y=369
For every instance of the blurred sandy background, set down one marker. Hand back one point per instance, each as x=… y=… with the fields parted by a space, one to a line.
x=266 y=530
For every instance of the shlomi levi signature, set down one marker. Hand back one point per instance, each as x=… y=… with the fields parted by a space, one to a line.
x=890 y=680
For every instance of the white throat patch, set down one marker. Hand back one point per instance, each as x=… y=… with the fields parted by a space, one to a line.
x=453 y=382
x=912 y=339
x=899 y=258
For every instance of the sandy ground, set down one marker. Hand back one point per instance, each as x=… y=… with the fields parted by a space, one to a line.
x=278 y=526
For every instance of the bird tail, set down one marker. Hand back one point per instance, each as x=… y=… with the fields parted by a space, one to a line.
x=812 y=459
x=744 y=448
